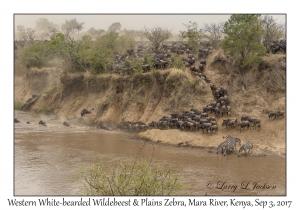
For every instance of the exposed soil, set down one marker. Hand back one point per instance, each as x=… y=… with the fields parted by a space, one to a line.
x=150 y=96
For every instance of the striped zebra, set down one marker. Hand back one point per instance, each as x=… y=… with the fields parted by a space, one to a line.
x=244 y=147
x=222 y=147
x=231 y=144
x=230 y=138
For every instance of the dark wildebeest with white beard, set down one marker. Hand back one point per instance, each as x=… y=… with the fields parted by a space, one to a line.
x=85 y=111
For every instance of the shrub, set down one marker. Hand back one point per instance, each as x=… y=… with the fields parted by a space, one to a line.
x=34 y=55
x=131 y=178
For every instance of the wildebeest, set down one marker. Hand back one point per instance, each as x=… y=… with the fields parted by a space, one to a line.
x=228 y=108
x=85 y=111
x=248 y=146
x=243 y=124
x=229 y=123
x=279 y=114
x=213 y=128
x=203 y=62
x=16 y=120
x=146 y=68
x=204 y=114
x=204 y=126
x=42 y=123
x=200 y=68
x=272 y=114
x=207 y=108
x=65 y=123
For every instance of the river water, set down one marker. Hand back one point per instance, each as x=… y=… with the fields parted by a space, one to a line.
x=47 y=158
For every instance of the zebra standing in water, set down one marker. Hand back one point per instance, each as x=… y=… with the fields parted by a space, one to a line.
x=222 y=147
x=229 y=139
x=244 y=147
x=231 y=144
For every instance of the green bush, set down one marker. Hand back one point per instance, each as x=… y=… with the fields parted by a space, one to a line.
x=34 y=55
x=131 y=178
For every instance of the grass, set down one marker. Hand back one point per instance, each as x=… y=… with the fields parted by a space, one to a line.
x=138 y=177
x=18 y=105
x=77 y=104
x=176 y=77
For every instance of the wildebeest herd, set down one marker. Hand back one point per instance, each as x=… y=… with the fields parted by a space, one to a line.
x=161 y=59
x=193 y=119
x=278 y=46
x=275 y=115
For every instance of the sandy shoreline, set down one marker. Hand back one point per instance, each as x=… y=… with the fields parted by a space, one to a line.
x=206 y=141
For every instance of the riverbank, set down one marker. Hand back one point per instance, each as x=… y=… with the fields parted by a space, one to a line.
x=150 y=96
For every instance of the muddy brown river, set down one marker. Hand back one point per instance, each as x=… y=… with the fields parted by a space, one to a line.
x=47 y=158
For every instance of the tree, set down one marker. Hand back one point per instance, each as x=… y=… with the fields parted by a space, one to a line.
x=115 y=27
x=242 y=41
x=141 y=35
x=19 y=29
x=243 y=35
x=44 y=25
x=95 y=32
x=27 y=35
x=214 y=31
x=272 y=30
x=192 y=36
x=157 y=36
x=71 y=26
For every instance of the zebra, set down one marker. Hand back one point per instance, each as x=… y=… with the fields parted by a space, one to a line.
x=229 y=141
x=222 y=147
x=230 y=138
x=244 y=147
x=230 y=146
